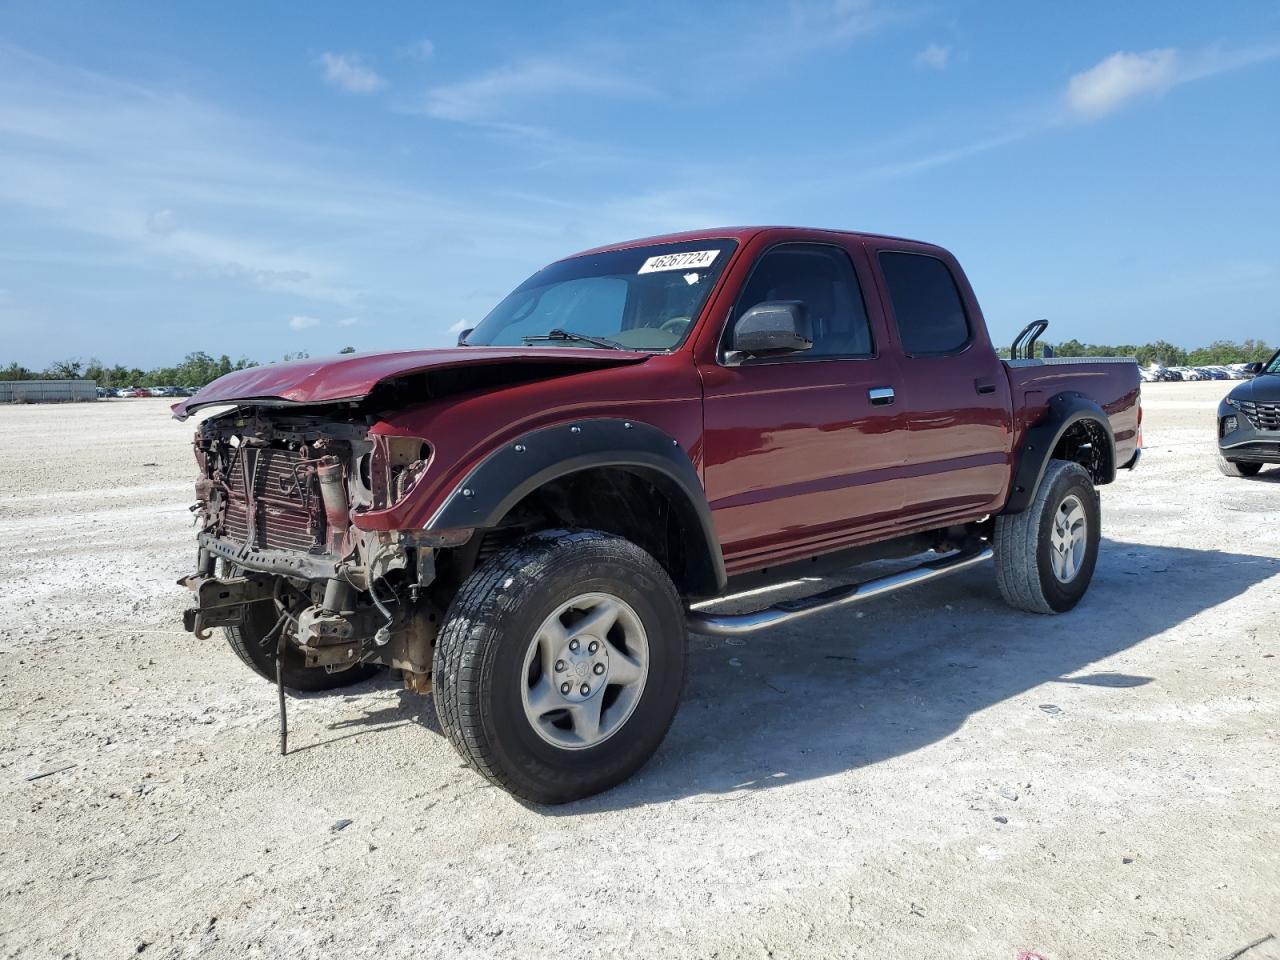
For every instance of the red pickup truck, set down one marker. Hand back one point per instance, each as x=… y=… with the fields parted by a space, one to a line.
x=526 y=522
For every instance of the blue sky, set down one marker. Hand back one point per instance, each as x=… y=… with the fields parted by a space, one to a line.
x=254 y=179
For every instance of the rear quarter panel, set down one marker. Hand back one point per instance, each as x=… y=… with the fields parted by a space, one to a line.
x=1113 y=384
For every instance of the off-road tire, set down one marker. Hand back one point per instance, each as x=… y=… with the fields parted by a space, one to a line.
x=1024 y=570
x=1237 y=468
x=251 y=643
x=481 y=650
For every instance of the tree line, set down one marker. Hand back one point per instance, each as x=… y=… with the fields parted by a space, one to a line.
x=195 y=370
x=1164 y=353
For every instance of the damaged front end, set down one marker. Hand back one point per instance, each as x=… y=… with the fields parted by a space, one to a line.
x=275 y=500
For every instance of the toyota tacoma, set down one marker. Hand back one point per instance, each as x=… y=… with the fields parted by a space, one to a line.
x=528 y=524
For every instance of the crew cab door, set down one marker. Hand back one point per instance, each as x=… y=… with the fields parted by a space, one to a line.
x=798 y=454
x=955 y=393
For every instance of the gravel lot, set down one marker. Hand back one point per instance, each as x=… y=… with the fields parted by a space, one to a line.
x=932 y=776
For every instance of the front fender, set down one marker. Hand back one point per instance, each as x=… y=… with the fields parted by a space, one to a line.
x=513 y=471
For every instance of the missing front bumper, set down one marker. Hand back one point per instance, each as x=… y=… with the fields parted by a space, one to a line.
x=220 y=602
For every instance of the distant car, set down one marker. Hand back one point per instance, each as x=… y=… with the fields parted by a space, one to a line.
x=1149 y=376
x=1249 y=422
x=104 y=392
x=1168 y=375
x=128 y=392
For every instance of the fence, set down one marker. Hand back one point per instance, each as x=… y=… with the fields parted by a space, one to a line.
x=47 y=391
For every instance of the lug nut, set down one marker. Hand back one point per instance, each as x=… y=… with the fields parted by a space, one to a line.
x=599 y=669
x=560 y=665
x=592 y=647
x=573 y=645
x=584 y=689
x=565 y=688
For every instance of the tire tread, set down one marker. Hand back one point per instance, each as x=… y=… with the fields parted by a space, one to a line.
x=1017 y=542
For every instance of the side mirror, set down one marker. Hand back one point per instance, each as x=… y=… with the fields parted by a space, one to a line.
x=1254 y=368
x=462 y=336
x=778 y=326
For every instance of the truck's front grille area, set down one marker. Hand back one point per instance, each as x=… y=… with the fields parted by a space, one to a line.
x=1264 y=416
x=288 y=517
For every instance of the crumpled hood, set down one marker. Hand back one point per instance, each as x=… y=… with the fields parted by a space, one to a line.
x=353 y=376
x=1264 y=388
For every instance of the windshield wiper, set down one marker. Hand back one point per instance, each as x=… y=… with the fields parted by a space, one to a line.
x=558 y=334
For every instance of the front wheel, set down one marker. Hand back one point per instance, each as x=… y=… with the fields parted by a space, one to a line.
x=1045 y=555
x=560 y=665
x=1237 y=468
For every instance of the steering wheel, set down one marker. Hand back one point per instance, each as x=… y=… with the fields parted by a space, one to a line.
x=676 y=325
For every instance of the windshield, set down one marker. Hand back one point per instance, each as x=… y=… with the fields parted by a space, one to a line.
x=643 y=298
x=1273 y=365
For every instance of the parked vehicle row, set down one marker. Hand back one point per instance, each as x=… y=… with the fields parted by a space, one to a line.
x=1233 y=371
x=134 y=392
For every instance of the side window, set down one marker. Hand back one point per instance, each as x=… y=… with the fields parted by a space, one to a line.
x=822 y=278
x=926 y=303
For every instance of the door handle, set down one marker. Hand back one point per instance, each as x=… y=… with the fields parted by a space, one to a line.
x=880 y=396
x=984 y=386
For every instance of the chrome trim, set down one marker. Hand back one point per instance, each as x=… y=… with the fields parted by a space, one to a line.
x=1053 y=361
x=738 y=624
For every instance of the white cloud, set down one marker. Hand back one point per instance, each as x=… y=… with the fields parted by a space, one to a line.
x=459 y=326
x=162 y=222
x=496 y=92
x=299 y=322
x=1121 y=77
x=423 y=50
x=825 y=22
x=934 y=56
x=348 y=321
x=347 y=72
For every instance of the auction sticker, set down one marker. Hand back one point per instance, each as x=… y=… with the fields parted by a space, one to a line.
x=689 y=260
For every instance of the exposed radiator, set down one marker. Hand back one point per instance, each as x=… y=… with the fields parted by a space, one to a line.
x=289 y=516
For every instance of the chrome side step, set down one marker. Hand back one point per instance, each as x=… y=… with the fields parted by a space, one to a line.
x=738 y=624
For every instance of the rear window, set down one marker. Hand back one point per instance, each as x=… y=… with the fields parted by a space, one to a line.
x=926 y=304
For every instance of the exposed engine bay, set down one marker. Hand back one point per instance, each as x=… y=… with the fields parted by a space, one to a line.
x=275 y=499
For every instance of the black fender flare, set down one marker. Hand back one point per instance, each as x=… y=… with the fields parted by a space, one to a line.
x=520 y=466
x=1065 y=410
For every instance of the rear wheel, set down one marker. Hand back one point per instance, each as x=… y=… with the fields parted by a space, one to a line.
x=560 y=665
x=1237 y=468
x=1045 y=555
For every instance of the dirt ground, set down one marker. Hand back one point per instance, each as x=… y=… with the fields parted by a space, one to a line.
x=934 y=775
